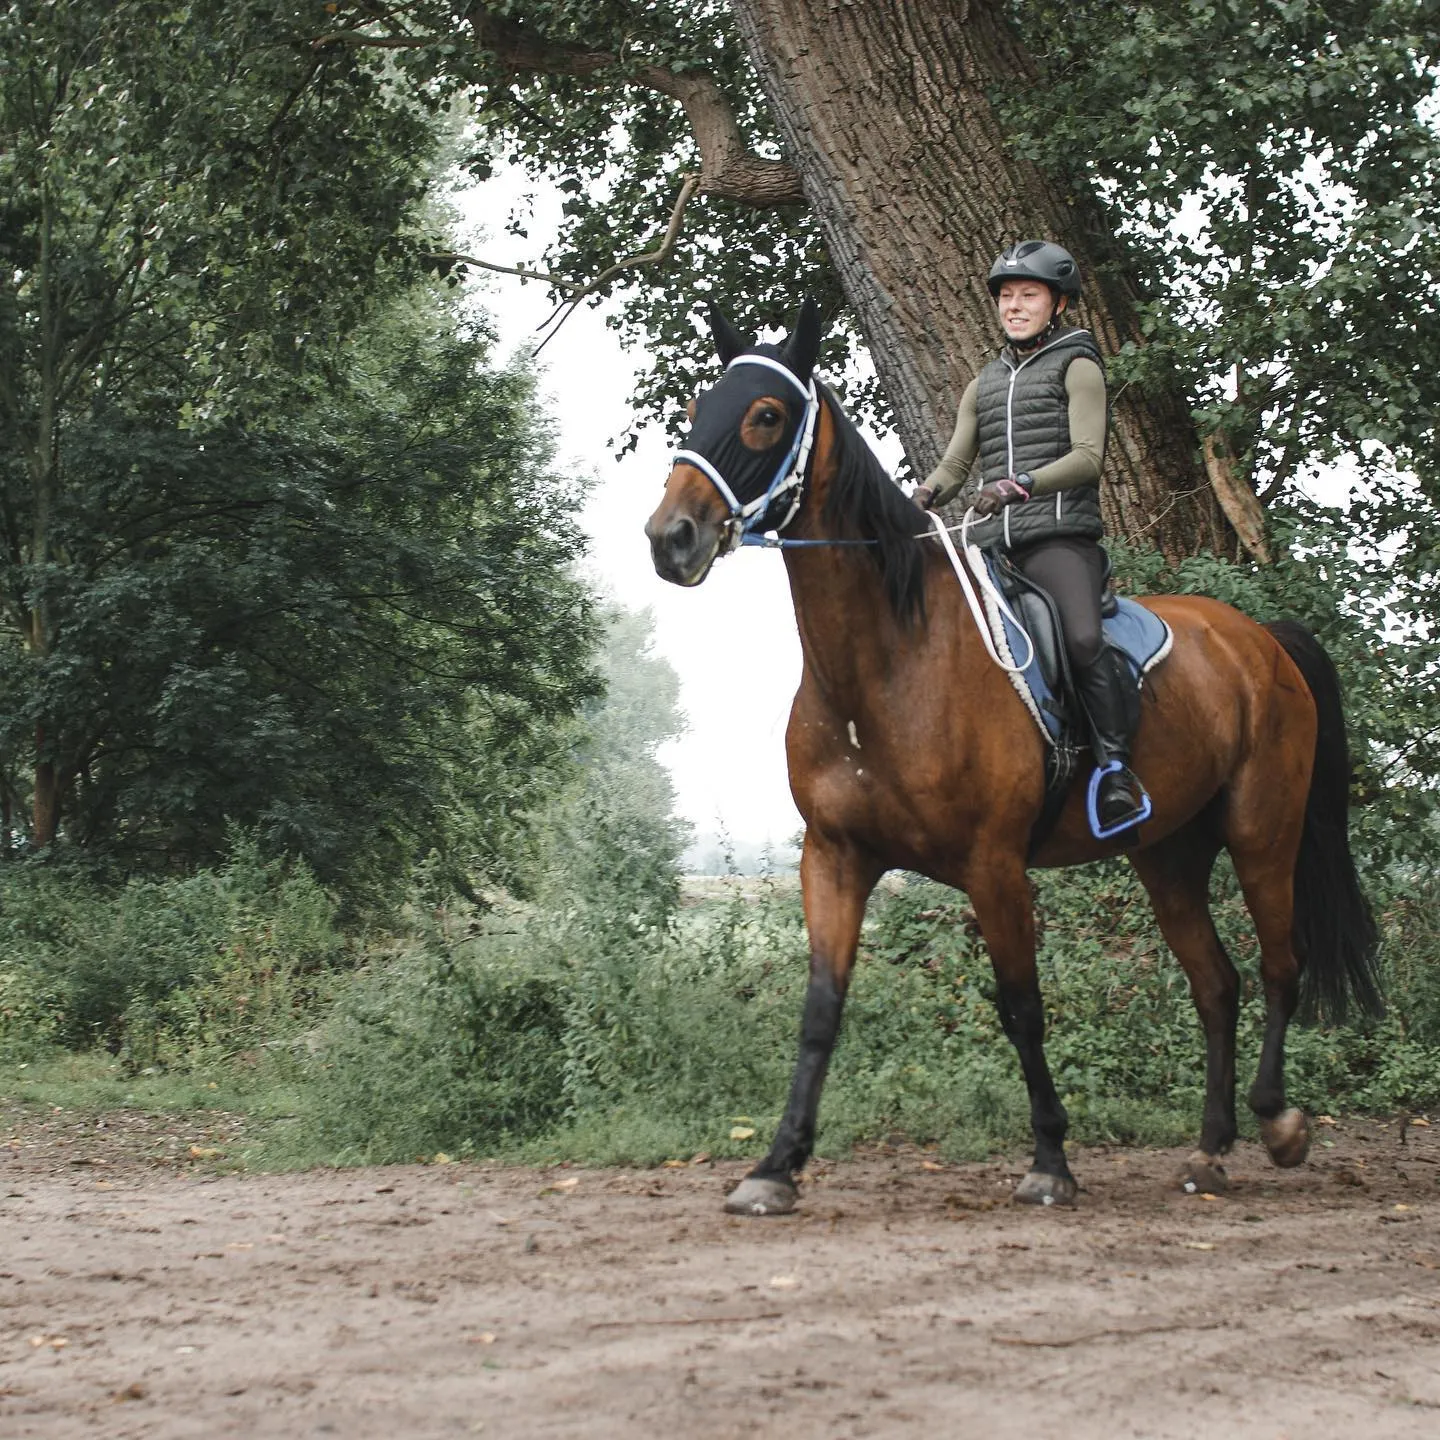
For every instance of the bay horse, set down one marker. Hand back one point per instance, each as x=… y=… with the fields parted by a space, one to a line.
x=909 y=748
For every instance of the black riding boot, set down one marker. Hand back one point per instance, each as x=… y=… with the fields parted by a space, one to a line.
x=1107 y=690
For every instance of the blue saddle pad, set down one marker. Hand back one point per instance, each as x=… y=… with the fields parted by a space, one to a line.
x=1139 y=634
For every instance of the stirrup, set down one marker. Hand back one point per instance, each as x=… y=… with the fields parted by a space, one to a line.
x=1136 y=817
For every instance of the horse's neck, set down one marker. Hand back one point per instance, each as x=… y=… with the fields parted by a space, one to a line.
x=847 y=632
x=858 y=652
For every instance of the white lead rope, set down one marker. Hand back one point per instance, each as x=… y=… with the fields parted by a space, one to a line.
x=968 y=583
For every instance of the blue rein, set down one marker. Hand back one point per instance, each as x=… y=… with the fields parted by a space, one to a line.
x=779 y=542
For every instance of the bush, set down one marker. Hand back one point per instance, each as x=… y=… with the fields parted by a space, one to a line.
x=604 y=1026
x=162 y=972
x=433 y=1051
x=542 y=1038
x=536 y=1025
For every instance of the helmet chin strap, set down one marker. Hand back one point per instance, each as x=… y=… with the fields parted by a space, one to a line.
x=1035 y=341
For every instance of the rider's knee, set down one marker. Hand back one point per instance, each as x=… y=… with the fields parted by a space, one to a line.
x=1084 y=642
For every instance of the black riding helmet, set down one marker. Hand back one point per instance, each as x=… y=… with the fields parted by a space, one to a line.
x=1037 y=260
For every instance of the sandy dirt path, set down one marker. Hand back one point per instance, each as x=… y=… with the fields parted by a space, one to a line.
x=144 y=1298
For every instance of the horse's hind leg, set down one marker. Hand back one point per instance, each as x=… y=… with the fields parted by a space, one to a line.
x=1005 y=911
x=1267 y=878
x=836 y=881
x=1176 y=875
x=1264 y=822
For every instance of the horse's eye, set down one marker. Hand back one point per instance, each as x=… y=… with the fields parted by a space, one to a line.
x=767 y=416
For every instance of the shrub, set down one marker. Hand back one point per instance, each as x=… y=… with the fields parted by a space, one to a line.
x=555 y=1039
x=161 y=972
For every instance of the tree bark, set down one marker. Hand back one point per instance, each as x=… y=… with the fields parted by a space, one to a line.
x=45 y=819
x=883 y=108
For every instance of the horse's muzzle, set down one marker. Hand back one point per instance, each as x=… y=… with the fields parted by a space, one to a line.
x=682 y=549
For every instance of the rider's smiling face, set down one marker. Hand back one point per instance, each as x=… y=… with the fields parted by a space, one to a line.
x=1025 y=307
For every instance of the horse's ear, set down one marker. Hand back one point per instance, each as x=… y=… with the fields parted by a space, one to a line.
x=729 y=342
x=803 y=347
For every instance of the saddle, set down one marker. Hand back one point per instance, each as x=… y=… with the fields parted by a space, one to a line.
x=1045 y=683
x=1038 y=614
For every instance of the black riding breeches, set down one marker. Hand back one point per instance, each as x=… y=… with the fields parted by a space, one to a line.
x=1073 y=572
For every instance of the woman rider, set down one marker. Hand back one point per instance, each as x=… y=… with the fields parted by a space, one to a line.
x=1036 y=419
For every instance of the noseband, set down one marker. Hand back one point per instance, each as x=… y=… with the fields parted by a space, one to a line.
x=746 y=523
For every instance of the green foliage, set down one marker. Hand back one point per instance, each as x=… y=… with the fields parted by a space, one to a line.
x=1295 y=295
x=278 y=548
x=619 y=153
x=483 y=1044
x=354 y=631
x=512 y=1031
x=95 y=1081
x=528 y=1015
x=498 y=1044
x=166 y=973
x=189 y=194
x=432 y=1053
x=610 y=843
x=1279 y=167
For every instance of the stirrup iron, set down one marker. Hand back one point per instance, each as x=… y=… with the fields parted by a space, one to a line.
x=1136 y=817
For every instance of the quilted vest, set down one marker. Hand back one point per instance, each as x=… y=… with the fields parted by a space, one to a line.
x=1023 y=417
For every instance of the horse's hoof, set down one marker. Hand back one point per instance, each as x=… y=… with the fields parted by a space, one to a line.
x=754 y=1196
x=1287 y=1138
x=1038 y=1188
x=1203 y=1174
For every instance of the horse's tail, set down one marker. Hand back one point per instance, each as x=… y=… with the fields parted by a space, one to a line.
x=1334 y=932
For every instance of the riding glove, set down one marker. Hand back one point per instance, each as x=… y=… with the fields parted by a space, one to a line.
x=995 y=496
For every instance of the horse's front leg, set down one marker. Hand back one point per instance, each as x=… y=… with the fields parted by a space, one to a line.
x=835 y=880
x=1005 y=910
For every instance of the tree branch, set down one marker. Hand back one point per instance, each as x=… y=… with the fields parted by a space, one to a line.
x=1289 y=460
x=729 y=170
x=579 y=292
x=455 y=258
x=360 y=41
x=1237 y=500
x=649 y=257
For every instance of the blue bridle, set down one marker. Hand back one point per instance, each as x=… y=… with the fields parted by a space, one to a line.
x=747 y=522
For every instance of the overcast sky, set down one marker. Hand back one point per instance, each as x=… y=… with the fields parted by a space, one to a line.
x=732 y=640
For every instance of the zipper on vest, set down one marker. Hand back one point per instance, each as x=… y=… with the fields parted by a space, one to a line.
x=1010 y=415
x=1010 y=434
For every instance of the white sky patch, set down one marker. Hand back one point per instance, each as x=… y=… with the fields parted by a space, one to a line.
x=732 y=640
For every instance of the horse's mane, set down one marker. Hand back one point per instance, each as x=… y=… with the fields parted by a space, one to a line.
x=863 y=499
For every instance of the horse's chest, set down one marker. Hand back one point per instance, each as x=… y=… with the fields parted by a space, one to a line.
x=831 y=770
x=847 y=776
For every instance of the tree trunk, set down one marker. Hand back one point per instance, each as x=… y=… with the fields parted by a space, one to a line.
x=44 y=465
x=883 y=107
x=46 y=813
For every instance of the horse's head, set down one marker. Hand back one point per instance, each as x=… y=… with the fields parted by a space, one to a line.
x=742 y=466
